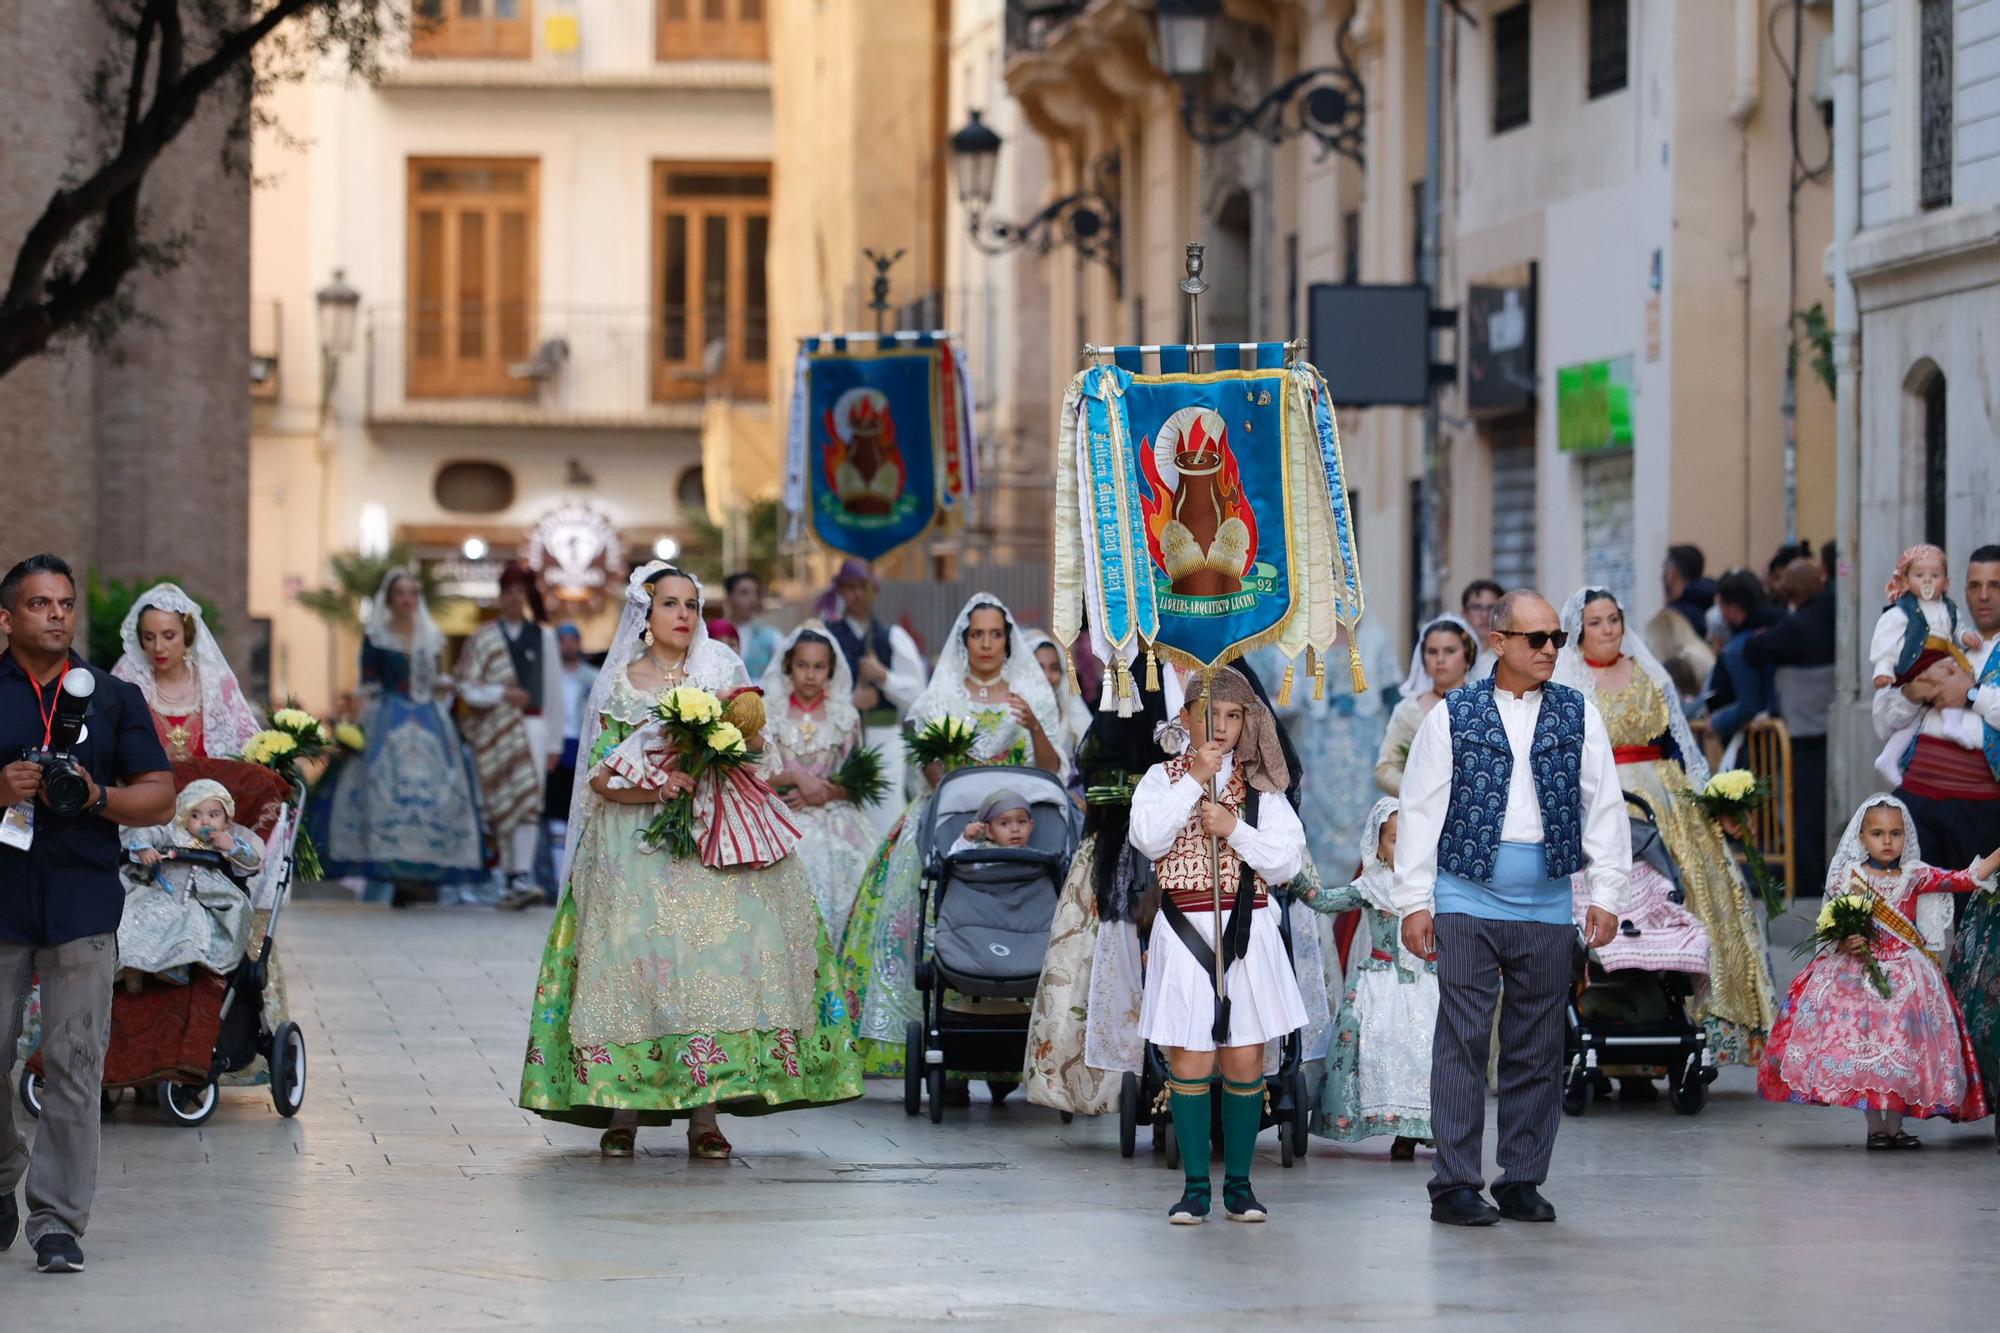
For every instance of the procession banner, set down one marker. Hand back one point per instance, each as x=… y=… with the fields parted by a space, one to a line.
x=1201 y=516
x=880 y=440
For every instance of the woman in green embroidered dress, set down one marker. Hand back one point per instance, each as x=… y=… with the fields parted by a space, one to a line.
x=670 y=990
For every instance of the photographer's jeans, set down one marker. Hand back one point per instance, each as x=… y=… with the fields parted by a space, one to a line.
x=76 y=1026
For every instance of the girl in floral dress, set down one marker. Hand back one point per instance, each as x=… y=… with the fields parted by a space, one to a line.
x=812 y=729
x=986 y=674
x=670 y=990
x=1659 y=760
x=1838 y=1041
x=1378 y=1069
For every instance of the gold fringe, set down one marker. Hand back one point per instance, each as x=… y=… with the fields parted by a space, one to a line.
x=1069 y=669
x=1124 y=680
x=1354 y=665
x=1152 y=671
x=1285 y=686
x=1319 y=676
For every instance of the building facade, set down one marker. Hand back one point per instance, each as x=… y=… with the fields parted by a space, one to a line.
x=131 y=458
x=1918 y=259
x=1633 y=203
x=556 y=214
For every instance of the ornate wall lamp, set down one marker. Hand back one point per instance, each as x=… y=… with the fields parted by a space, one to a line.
x=1326 y=102
x=1087 y=221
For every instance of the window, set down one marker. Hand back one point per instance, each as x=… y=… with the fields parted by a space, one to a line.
x=472 y=276
x=1934 y=104
x=711 y=29
x=1936 y=450
x=1350 y=246
x=1608 y=46
x=1510 y=69
x=473 y=488
x=472 y=29
x=711 y=228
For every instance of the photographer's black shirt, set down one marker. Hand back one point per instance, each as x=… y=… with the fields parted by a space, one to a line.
x=66 y=885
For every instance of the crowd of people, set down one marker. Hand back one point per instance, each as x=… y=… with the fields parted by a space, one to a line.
x=1435 y=850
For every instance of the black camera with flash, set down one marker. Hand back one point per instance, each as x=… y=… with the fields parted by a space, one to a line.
x=65 y=786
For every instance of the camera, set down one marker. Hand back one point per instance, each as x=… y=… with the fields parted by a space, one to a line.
x=65 y=786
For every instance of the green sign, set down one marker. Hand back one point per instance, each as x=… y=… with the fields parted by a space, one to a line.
x=1594 y=406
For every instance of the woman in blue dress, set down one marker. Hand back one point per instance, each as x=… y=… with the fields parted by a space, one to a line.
x=406 y=812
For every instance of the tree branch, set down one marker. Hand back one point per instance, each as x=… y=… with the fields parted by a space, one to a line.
x=27 y=320
x=135 y=96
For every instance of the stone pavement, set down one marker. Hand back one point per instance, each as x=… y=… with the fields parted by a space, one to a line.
x=411 y=1192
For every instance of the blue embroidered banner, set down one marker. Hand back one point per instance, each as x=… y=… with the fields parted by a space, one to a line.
x=877 y=422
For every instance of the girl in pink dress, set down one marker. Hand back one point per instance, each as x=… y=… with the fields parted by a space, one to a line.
x=1838 y=1042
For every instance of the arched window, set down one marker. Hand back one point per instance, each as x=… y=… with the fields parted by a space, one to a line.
x=1936 y=449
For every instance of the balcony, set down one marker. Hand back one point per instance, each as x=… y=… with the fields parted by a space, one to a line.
x=567 y=367
x=557 y=44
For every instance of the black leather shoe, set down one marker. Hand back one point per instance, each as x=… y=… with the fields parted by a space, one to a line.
x=1463 y=1207
x=10 y=1219
x=1524 y=1203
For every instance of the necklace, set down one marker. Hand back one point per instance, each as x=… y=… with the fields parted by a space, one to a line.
x=1596 y=665
x=670 y=674
x=186 y=700
x=983 y=686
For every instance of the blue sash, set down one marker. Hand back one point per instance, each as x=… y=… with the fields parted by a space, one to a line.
x=1520 y=889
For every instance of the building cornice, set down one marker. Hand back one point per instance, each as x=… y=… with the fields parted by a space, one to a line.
x=1948 y=235
x=543 y=76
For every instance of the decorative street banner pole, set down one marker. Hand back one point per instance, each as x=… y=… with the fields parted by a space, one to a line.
x=880 y=439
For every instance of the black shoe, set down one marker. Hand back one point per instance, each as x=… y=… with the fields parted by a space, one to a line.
x=1000 y=1088
x=58 y=1253
x=1463 y=1207
x=1192 y=1210
x=1240 y=1203
x=1524 y=1203
x=10 y=1219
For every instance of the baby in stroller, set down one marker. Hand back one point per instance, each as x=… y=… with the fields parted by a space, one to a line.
x=1004 y=819
x=179 y=913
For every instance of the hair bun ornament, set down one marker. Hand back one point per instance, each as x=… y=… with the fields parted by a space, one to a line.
x=635 y=587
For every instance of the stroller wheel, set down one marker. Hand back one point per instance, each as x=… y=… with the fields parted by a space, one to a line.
x=934 y=1089
x=189 y=1106
x=1579 y=1090
x=1173 y=1151
x=1301 y=1125
x=913 y=1067
x=288 y=1070
x=1285 y=1155
x=31 y=1093
x=1069 y=1117
x=1689 y=1091
x=1128 y=1115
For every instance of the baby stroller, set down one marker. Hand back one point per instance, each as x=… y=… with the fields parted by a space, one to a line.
x=177 y=1041
x=1142 y=1096
x=1630 y=1016
x=982 y=927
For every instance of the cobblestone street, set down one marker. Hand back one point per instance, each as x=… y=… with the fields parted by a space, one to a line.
x=410 y=1192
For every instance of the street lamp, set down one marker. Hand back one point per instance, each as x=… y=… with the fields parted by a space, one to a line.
x=336 y=305
x=1327 y=102
x=1086 y=220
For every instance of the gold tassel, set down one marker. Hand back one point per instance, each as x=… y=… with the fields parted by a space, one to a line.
x=1319 y=676
x=1069 y=668
x=1152 y=671
x=1124 y=680
x=1354 y=666
x=1285 y=686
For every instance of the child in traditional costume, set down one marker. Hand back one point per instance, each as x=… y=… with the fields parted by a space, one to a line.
x=178 y=914
x=1916 y=630
x=1378 y=1067
x=1256 y=836
x=1839 y=1041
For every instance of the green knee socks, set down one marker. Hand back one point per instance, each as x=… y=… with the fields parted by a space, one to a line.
x=1242 y=1117
x=1190 y=1102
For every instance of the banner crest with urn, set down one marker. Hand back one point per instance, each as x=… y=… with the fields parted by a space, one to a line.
x=1201 y=516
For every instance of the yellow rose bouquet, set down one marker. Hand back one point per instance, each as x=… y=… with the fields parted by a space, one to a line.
x=294 y=737
x=1849 y=915
x=692 y=722
x=1728 y=798
x=731 y=817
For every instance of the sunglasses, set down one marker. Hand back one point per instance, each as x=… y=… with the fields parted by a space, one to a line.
x=1538 y=639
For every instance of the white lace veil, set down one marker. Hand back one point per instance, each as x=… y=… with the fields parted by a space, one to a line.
x=227 y=720
x=1076 y=714
x=426 y=645
x=1848 y=854
x=945 y=695
x=1419 y=680
x=1573 y=671
x=709 y=664
x=777 y=686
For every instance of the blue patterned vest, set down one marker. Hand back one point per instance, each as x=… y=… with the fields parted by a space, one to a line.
x=1482 y=766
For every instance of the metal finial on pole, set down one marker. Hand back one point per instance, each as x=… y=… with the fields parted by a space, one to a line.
x=1194 y=285
x=879 y=288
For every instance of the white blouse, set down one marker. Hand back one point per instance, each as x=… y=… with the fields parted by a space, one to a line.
x=1275 y=847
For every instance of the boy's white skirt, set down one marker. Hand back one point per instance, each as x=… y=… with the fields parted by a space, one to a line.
x=1179 y=1009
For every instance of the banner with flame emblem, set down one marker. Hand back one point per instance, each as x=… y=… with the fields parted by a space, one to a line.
x=881 y=440
x=1200 y=516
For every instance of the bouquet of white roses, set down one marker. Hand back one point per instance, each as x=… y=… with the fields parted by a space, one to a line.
x=293 y=737
x=947 y=741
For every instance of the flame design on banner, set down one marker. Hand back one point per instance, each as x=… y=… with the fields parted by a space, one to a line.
x=862 y=464
x=1202 y=534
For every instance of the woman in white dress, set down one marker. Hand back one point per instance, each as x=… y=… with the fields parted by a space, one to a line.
x=198 y=708
x=811 y=729
x=987 y=674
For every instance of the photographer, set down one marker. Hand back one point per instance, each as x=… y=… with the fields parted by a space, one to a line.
x=60 y=897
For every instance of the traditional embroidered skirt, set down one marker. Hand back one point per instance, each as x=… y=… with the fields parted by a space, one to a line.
x=1179 y=1008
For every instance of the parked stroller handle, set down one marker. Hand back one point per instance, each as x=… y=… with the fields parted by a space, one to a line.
x=1027 y=856
x=1634 y=798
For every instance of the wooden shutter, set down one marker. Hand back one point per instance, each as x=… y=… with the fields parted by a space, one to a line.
x=472 y=29
x=710 y=29
x=711 y=231
x=472 y=276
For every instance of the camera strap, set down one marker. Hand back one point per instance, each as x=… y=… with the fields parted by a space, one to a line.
x=48 y=714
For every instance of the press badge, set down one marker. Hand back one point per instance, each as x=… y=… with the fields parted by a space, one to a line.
x=17 y=826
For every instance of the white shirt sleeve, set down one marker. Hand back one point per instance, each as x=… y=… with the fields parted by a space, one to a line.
x=1426 y=794
x=1607 y=830
x=1885 y=643
x=906 y=670
x=1892 y=712
x=1160 y=810
x=477 y=693
x=1276 y=847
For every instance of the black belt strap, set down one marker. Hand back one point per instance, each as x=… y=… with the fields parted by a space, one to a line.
x=1234 y=934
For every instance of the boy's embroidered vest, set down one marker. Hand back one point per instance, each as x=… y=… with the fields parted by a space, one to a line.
x=1185 y=873
x=1916 y=656
x=1482 y=766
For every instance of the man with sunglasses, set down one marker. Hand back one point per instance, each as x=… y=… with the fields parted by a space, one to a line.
x=1511 y=788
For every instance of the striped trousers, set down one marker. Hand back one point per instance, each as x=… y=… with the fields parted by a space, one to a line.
x=1474 y=956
